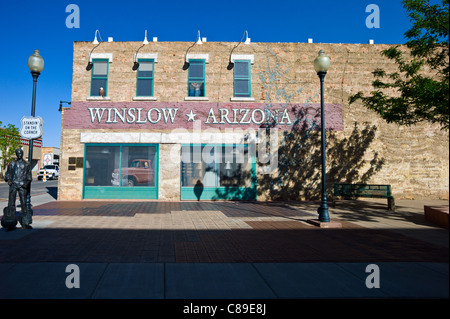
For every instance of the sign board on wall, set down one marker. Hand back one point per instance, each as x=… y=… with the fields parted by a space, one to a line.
x=171 y=115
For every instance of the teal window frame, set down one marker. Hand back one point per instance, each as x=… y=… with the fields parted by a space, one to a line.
x=146 y=78
x=100 y=77
x=218 y=192
x=240 y=77
x=192 y=79
x=121 y=191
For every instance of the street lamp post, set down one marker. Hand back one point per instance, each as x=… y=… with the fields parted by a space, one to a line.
x=36 y=65
x=321 y=65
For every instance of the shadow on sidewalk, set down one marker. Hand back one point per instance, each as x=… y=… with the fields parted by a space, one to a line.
x=53 y=192
x=265 y=241
x=265 y=232
x=365 y=211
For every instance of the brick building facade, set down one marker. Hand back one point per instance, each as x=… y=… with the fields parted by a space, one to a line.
x=178 y=121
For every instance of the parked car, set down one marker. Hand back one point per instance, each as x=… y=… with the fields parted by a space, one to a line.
x=139 y=172
x=52 y=172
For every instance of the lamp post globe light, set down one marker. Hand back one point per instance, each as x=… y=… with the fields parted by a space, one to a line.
x=36 y=63
x=321 y=65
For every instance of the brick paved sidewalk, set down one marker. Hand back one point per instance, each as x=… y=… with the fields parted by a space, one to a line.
x=213 y=232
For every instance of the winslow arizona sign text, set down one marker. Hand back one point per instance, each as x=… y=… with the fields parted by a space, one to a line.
x=167 y=115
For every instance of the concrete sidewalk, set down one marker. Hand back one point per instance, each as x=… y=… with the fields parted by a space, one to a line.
x=223 y=280
x=224 y=250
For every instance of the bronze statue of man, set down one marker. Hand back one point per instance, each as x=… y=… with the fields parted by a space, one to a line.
x=18 y=176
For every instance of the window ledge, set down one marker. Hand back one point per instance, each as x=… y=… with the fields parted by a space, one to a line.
x=201 y=56
x=145 y=98
x=250 y=57
x=98 y=98
x=108 y=56
x=196 y=98
x=242 y=99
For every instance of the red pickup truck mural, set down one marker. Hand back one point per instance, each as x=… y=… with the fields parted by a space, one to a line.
x=140 y=173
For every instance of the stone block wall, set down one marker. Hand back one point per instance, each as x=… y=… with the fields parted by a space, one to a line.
x=414 y=159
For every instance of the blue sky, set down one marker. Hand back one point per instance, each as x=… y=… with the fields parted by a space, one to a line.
x=28 y=25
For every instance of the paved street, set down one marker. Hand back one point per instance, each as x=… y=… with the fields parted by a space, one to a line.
x=37 y=187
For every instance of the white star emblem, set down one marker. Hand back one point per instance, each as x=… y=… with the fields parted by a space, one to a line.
x=191 y=116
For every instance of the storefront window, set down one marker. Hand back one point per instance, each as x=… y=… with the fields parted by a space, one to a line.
x=235 y=167
x=216 y=166
x=198 y=166
x=138 y=166
x=101 y=162
x=120 y=166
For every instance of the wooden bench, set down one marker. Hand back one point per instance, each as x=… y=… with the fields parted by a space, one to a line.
x=365 y=190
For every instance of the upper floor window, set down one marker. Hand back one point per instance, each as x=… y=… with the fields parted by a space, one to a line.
x=99 y=77
x=242 y=83
x=196 y=77
x=144 y=85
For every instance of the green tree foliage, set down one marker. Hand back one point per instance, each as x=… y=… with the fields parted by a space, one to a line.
x=418 y=97
x=9 y=142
